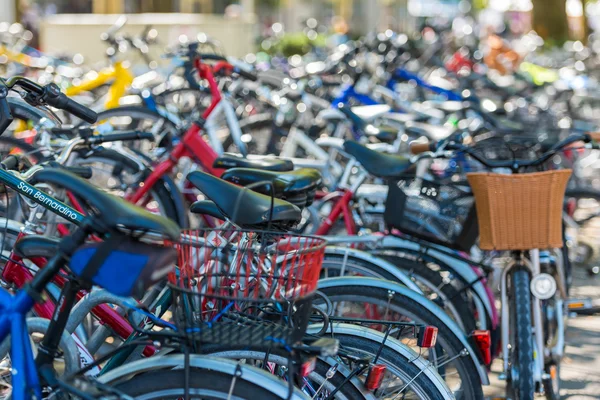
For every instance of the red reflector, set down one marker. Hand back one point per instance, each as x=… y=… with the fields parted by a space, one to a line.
x=308 y=367
x=427 y=337
x=571 y=207
x=375 y=377
x=483 y=341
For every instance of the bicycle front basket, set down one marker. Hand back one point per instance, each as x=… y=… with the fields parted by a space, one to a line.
x=434 y=211
x=521 y=211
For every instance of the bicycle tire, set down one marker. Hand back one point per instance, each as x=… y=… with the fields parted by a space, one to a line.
x=393 y=359
x=449 y=341
x=349 y=391
x=521 y=385
x=171 y=383
x=142 y=378
x=160 y=191
x=440 y=293
x=165 y=129
x=434 y=281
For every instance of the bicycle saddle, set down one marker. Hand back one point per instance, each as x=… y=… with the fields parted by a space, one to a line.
x=113 y=213
x=431 y=132
x=381 y=165
x=298 y=187
x=229 y=160
x=242 y=206
x=370 y=113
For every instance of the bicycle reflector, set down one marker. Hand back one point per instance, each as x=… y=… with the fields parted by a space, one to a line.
x=308 y=367
x=483 y=341
x=427 y=336
x=375 y=377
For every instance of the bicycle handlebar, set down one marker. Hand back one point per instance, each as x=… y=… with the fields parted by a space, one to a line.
x=52 y=96
x=449 y=145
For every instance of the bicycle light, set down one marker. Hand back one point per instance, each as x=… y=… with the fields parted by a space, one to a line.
x=543 y=286
x=483 y=341
x=375 y=377
x=427 y=336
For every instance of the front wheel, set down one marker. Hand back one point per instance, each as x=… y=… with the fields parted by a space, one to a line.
x=521 y=385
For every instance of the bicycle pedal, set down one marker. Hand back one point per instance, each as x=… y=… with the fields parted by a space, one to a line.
x=582 y=306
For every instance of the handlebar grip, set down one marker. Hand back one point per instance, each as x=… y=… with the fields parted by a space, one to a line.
x=121 y=136
x=10 y=163
x=246 y=74
x=78 y=110
x=54 y=97
x=82 y=172
x=418 y=147
x=595 y=136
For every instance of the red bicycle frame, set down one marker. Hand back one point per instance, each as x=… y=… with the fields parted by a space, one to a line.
x=192 y=144
x=341 y=207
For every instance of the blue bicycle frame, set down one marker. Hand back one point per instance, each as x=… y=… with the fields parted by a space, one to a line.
x=400 y=74
x=14 y=308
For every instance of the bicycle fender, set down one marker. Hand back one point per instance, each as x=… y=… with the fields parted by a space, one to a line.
x=417 y=298
x=399 y=276
x=459 y=267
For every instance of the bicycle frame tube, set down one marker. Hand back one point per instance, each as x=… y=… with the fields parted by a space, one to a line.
x=342 y=207
x=349 y=92
x=12 y=321
x=15 y=274
x=41 y=198
x=103 y=76
x=403 y=75
x=192 y=145
x=123 y=79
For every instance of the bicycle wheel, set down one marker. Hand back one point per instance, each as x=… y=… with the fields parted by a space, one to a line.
x=582 y=207
x=404 y=378
x=521 y=385
x=432 y=284
x=112 y=172
x=315 y=384
x=209 y=378
x=373 y=302
x=138 y=118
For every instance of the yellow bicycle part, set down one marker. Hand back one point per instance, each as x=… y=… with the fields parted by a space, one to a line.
x=13 y=56
x=121 y=79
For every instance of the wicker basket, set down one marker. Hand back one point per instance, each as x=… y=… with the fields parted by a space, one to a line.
x=521 y=211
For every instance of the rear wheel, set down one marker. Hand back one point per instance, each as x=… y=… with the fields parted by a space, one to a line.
x=110 y=172
x=204 y=384
x=372 y=302
x=138 y=118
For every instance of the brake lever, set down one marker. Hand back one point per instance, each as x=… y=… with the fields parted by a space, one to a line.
x=37 y=102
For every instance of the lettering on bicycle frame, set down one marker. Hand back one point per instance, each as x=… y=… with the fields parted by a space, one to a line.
x=47 y=201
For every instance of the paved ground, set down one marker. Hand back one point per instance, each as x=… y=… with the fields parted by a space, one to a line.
x=580 y=370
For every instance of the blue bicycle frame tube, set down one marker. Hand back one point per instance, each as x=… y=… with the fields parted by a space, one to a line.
x=41 y=198
x=12 y=321
x=348 y=92
x=401 y=74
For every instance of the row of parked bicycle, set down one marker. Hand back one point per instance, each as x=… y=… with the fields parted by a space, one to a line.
x=229 y=231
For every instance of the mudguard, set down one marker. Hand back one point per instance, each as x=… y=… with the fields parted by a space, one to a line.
x=460 y=268
x=417 y=298
x=399 y=276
